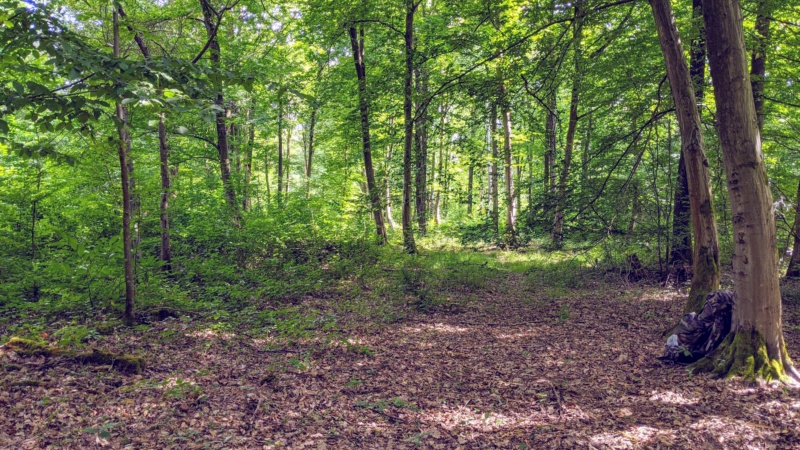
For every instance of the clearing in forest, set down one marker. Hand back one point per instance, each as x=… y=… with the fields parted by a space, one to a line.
x=512 y=355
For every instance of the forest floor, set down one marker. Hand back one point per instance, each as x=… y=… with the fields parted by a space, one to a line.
x=514 y=363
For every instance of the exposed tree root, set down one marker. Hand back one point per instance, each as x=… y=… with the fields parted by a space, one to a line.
x=744 y=354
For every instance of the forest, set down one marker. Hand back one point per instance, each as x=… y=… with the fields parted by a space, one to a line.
x=330 y=224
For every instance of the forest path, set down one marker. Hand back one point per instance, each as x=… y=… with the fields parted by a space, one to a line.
x=521 y=363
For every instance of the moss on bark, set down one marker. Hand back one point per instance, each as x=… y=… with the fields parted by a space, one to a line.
x=704 y=280
x=743 y=354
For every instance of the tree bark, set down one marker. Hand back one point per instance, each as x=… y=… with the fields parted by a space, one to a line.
x=706 y=252
x=508 y=168
x=470 y=177
x=287 y=160
x=357 y=44
x=758 y=65
x=793 y=271
x=408 y=234
x=163 y=151
x=550 y=152
x=280 y=147
x=122 y=150
x=557 y=233
x=755 y=347
x=223 y=147
x=421 y=147
x=248 y=161
x=493 y=181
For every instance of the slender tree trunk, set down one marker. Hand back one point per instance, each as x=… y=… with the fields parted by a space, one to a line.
x=557 y=233
x=210 y=19
x=550 y=152
x=287 y=160
x=755 y=347
x=493 y=181
x=470 y=177
x=511 y=209
x=248 y=162
x=311 y=125
x=794 y=263
x=122 y=150
x=357 y=44
x=421 y=147
x=705 y=277
x=163 y=151
x=280 y=148
x=408 y=234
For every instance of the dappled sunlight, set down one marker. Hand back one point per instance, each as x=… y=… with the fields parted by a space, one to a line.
x=520 y=335
x=463 y=417
x=632 y=437
x=437 y=327
x=212 y=334
x=673 y=398
x=727 y=429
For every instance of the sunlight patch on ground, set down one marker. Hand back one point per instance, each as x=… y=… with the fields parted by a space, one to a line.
x=632 y=437
x=520 y=335
x=726 y=430
x=672 y=398
x=212 y=334
x=439 y=327
x=462 y=417
x=660 y=295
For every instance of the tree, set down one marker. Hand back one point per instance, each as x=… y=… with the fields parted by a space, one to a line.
x=706 y=249
x=755 y=347
x=357 y=44
x=408 y=38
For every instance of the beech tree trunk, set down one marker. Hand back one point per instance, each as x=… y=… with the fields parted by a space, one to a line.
x=511 y=210
x=211 y=21
x=357 y=44
x=122 y=150
x=280 y=148
x=248 y=162
x=287 y=160
x=755 y=347
x=408 y=233
x=163 y=151
x=794 y=263
x=493 y=181
x=705 y=276
x=758 y=64
x=470 y=177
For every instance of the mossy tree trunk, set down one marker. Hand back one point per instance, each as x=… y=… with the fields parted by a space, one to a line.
x=706 y=250
x=755 y=348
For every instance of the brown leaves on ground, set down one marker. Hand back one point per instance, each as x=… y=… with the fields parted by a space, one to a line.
x=520 y=367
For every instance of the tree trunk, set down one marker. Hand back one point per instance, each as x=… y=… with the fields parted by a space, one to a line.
x=794 y=263
x=357 y=44
x=312 y=124
x=288 y=158
x=408 y=234
x=223 y=147
x=758 y=65
x=706 y=252
x=421 y=147
x=470 y=176
x=248 y=162
x=755 y=347
x=511 y=210
x=557 y=233
x=163 y=151
x=681 y=251
x=550 y=152
x=493 y=181
x=122 y=150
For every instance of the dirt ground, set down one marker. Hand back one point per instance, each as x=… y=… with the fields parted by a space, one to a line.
x=515 y=366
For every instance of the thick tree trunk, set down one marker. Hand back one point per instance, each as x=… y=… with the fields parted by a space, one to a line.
x=122 y=150
x=706 y=252
x=557 y=233
x=408 y=233
x=210 y=20
x=758 y=64
x=493 y=181
x=357 y=44
x=755 y=347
